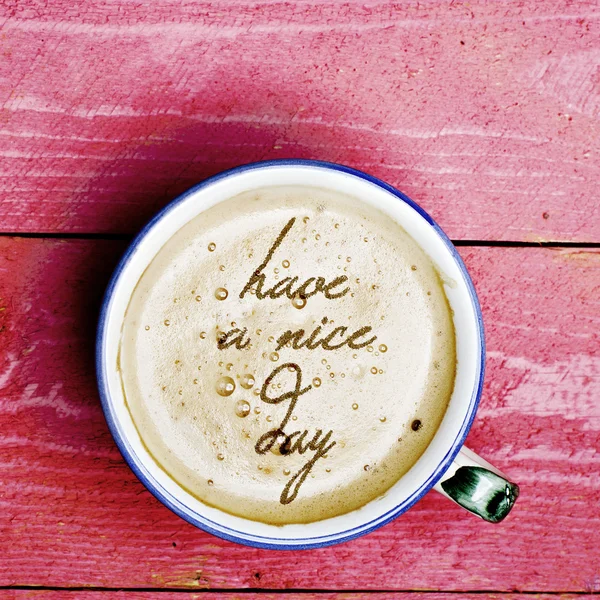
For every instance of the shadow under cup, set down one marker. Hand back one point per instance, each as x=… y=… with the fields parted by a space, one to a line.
x=470 y=352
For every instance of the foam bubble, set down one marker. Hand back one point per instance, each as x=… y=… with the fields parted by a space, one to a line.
x=225 y=386
x=298 y=302
x=242 y=408
x=247 y=381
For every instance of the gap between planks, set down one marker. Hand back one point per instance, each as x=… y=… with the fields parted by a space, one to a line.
x=256 y=591
x=129 y=237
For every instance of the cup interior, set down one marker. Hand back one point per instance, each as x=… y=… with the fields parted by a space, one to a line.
x=469 y=347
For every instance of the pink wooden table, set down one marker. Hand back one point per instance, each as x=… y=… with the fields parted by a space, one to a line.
x=486 y=113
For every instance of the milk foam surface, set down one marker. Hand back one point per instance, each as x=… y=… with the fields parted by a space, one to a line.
x=383 y=403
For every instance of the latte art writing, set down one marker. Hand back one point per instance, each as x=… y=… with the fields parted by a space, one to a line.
x=297 y=441
x=288 y=355
x=290 y=443
x=286 y=285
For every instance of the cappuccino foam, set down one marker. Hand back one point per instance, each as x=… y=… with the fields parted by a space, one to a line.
x=202 y=396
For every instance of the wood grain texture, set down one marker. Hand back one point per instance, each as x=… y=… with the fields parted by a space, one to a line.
x=72 y=514
x=486 y=113
x=139 y=595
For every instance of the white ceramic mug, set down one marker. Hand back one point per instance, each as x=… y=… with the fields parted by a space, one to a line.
x=453 y=470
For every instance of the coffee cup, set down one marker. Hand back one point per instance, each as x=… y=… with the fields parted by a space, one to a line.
x=175 y=412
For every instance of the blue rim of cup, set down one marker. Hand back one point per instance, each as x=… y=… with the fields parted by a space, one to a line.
x=227 y=533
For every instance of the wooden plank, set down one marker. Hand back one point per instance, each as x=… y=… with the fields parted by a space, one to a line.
x=72 y=514
x=139 y=595
x=485 y=113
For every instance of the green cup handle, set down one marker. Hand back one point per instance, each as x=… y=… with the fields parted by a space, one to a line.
x=479 y=487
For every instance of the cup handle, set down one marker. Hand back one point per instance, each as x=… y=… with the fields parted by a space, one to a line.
x=479 y=487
